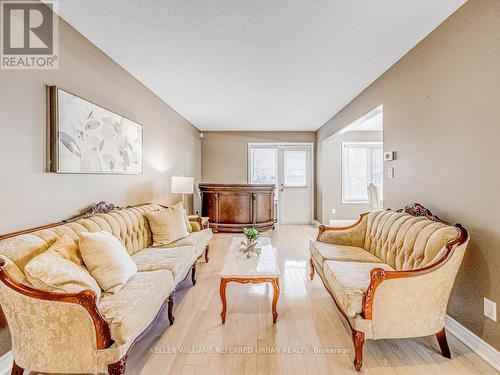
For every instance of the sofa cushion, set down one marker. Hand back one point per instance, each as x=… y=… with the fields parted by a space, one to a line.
x=21 y=249
x=167 y=225
x=106 y=259
x=177 y=260
x=323 y=251
x=55 y=271
x=199 y=240
x=404 y=241
x=348 y=282
x=129 y=311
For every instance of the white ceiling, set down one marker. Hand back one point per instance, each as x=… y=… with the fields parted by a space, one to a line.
x=256 y=65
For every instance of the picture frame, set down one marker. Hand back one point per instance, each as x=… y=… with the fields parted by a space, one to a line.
x=86 y=138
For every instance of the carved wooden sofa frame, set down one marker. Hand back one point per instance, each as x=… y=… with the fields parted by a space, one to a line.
x=88 y=298
x=378 y=275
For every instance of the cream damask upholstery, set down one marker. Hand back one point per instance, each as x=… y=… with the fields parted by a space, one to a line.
x=321 y=251
x=60 y=337
x=177 y=260
x=349 y=281
x=129 y=311
x=52 y=272
x=426 y=253
x=106 y=259
x=198 y=240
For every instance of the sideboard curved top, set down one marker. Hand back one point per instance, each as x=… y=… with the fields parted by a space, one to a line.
x=232 y=207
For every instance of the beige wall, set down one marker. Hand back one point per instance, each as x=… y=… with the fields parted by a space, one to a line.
x=332 y=176
x=29 y=195
x=442 y=115
x=225 y=154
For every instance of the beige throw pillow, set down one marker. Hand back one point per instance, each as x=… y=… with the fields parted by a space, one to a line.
x=106 y=259
x=60 y=270
x=167 y=225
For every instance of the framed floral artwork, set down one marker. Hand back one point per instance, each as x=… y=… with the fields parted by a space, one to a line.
x=87 y=138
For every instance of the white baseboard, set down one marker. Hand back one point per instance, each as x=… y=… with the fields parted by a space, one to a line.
x=478 y=345
x=6 y=363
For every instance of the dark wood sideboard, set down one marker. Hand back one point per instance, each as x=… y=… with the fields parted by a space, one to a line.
x=232 y=207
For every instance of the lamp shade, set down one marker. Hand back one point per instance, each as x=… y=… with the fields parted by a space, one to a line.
x=182 y=185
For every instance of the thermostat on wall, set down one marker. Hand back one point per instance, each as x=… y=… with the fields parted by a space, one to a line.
x=388 y=156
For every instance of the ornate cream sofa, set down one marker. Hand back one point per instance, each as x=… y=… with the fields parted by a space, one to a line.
x=391 y=273
x=75 y=333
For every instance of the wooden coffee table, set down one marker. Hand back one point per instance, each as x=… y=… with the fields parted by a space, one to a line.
x=257 y=269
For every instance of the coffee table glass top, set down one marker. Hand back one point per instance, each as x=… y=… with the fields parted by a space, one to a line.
x=237 y=265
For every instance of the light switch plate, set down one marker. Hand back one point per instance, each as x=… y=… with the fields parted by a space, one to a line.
x=490 y=309
x=390 y=172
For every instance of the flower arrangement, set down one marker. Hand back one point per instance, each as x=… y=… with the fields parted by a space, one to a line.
x=250 y=247
x=251 y=234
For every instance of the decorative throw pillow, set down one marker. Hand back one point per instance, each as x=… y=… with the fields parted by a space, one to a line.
x=13 y=271
x=54 y=271
x=167 y=225
x=106 y=259
x=68 y=249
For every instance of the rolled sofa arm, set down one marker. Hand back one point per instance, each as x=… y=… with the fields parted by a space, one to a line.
x=83 y=304
x=195 y=221
x=352 y=235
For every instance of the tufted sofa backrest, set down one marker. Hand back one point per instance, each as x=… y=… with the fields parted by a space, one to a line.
x=404 y=241
x=129 y=225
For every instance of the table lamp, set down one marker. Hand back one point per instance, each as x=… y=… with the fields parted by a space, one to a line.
x=182 y=185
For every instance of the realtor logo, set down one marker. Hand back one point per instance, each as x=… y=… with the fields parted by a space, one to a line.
x=28 y=35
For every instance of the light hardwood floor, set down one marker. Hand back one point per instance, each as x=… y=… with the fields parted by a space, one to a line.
x=307 y=319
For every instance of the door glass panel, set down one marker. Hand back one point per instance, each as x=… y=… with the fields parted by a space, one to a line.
x=295 y=172
x=263 y=165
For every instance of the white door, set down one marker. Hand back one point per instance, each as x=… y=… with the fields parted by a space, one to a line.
x=290 y=168
x=294 y=184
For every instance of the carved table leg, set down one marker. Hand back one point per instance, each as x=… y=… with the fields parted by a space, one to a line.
x=222 y=290
x=358 y=339
x=118 y=368
x=276 y=286
x=311 y=263
x=443 y=343
x=193 y=274
x=170 y=309
x=16 y=370
x=206 y=254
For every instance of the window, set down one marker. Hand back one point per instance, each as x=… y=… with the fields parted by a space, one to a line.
x=295 y=168
x=263 y=165
x=362 y=164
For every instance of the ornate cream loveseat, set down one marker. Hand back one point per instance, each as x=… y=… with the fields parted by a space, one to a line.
x=76 y=333
x=391 y=273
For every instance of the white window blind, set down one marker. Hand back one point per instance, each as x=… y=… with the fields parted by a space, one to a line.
x=362 y=164
x=263 y=165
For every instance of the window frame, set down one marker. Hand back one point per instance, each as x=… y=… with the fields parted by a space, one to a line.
x=250 y=159
x=359 y=144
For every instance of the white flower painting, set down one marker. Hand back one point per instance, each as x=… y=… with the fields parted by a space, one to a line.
x=91 y=139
